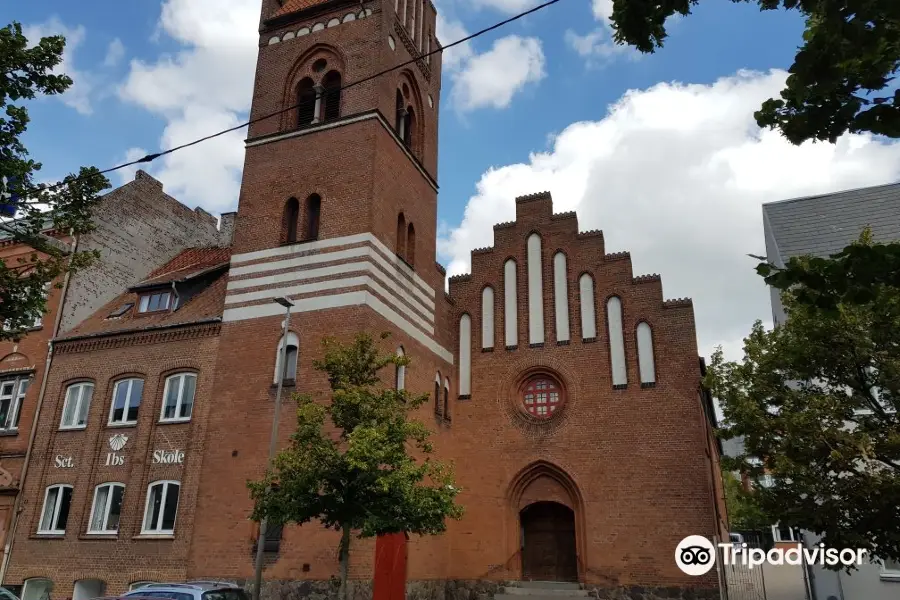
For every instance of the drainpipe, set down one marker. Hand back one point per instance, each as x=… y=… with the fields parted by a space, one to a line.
x=17 y=507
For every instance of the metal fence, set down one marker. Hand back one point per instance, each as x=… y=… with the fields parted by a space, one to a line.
x=736 y=579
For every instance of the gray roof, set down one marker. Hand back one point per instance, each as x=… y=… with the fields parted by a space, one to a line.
x=824 y=225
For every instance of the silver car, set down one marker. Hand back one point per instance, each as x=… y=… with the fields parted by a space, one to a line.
x=192 y=590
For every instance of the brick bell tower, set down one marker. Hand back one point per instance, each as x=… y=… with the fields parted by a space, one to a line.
x=338 y=212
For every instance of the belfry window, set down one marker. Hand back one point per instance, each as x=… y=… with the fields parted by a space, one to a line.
x=311 y=218
x=291 y=218
x=306 y=101
x=332 y=95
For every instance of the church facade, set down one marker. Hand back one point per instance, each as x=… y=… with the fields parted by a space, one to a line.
x=566 y=391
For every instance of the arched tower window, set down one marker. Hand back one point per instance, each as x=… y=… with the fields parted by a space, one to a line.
x=332 y=95
x=411 y=245
x=401 y=370
x=409 y=126
x=290 y=220
x=447 y=399
x=401 y=236
x=306 y=100
x=437 y=393
x=311 y=218
x=646 y=362
x=400 y=118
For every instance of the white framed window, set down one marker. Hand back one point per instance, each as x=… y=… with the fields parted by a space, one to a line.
x=37 y=588
x=106 y=508
x=783 y=533
x=12 y=394
x=57 y=500
x=126 y=400
x=890 y=569
x=162 y=506
x=77 y=405
x=178 y=397
x=155 y=302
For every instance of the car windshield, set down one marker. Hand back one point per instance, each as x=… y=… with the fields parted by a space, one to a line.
x=145 y=593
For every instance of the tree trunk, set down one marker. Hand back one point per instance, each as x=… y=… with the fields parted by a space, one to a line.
x=344 y=555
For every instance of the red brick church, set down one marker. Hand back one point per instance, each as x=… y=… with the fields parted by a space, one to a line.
x=566 y=390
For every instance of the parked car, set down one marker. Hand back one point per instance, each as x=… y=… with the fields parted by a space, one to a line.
x=6 y=594
x=192 y=590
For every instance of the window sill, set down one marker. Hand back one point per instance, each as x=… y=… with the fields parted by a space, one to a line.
x=77 y=428
x=464 y=397
x=287 y=383
x=9 y=432
x=173 y=421
x=120 y=425
x=99 y=536
x=48 y=536
x=621 y=386
x=154 y=536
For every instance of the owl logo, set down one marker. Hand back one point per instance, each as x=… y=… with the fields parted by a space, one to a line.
x=118 y=441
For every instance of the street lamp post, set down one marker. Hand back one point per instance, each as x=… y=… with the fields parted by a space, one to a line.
x=273 y=441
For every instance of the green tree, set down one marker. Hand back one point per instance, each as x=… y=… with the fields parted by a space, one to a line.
x=816 y=399
x=357 y=473
x=744 y=512
x=842 y=76
x=26 y=72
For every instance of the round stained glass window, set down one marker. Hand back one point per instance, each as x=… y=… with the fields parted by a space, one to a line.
x=542 y=397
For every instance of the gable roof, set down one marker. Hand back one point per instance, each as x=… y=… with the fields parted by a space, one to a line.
x=204 y=306
x=825 y=224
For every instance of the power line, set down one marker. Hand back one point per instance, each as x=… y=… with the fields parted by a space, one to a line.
x=151 y=157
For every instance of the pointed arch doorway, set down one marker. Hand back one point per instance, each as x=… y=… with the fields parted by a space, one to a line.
x=548 y=509
x=548 y=542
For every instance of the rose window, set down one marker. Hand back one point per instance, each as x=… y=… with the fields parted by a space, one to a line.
x=542 y=397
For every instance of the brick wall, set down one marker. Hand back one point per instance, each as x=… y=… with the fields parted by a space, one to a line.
x=126 y=557
x=138 y=228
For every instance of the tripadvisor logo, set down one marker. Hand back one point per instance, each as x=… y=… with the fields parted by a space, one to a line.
x=695 y=555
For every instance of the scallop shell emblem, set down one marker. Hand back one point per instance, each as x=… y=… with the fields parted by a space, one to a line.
x=118 y=441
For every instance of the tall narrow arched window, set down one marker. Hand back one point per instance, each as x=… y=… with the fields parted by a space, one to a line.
x=290 y=359
x=306 y=102
x=437 y=393
x=646 y=362
x=411 y=244
x=401 y=236
x=291 y=219
x=487 y=318
x=410 y=127
x=447 y=399
x=535 y=291
x=510 y=304
x=400 y=119
x=588 y=310
x=332 y=95
x=465 y=355
x=311 y=217
x=616 y=342
x=561 y=297
x=401 y=370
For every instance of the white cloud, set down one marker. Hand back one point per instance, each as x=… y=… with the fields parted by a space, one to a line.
x=509 y=7
x=78 y=96
x=449 y=31
x=597 y=46
x=676 y=175
x=199 y=90
x=114 y=53
x=492 y=79
x=602 y=10
x=127 y=174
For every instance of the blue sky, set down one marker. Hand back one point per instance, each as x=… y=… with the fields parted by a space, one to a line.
x=660 y=151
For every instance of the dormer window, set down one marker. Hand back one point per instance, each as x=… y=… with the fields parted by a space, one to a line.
x=155 y=302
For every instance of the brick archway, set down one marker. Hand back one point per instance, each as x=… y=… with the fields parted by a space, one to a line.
x=543 y=484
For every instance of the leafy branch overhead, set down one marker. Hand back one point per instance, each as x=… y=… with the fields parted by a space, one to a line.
x=27 y=71
x=842 y=79
x=359 y=463
x=816 y=398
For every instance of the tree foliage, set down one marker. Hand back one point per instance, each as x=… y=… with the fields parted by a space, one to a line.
x=350 y=463
x=25 y=72
x=842 y=76
x=744 y=512
x=816 y=398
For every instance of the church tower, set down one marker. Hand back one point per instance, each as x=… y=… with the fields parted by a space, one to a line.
x=338 y=213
